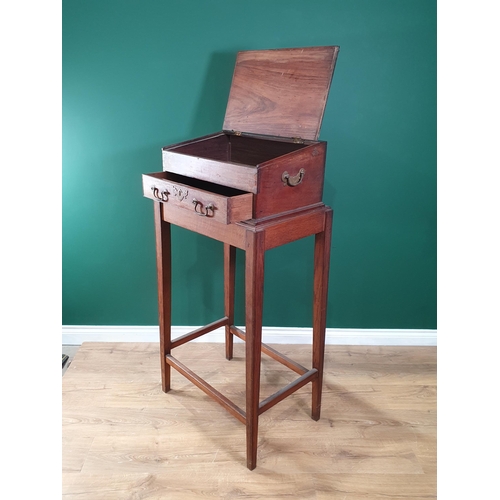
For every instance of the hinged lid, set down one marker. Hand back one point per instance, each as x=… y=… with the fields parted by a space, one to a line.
x=280 y=92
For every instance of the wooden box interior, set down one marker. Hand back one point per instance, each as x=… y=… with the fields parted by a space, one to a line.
x=250 y=151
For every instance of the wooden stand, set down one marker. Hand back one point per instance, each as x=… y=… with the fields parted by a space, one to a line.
x=254 y=237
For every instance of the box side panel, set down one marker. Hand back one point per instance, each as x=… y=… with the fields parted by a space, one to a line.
x=240 y=208
x=291 y=181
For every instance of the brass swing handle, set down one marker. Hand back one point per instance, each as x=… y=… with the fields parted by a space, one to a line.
x=293 y=180
x=209 y=209
x=160 y=195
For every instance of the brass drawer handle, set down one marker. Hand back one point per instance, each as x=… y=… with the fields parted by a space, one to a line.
x=209 y=209
x=160 y=196
x=293 y=180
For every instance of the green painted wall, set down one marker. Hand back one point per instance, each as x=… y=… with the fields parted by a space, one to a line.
x=138 y=75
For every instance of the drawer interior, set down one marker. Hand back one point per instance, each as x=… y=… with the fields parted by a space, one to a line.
x=238 y=149
x=199 y=184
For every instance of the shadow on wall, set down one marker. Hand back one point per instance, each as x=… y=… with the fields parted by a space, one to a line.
x=206 y=274
x=209 y=114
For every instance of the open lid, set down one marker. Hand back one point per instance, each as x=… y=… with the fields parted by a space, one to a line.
x=280 y=92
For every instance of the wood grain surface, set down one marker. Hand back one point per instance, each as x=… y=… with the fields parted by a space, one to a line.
x=123 y=438
x=280 y=92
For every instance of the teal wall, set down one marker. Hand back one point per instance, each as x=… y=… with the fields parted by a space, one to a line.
x=138 y=75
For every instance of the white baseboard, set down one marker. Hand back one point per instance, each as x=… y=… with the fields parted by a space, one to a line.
x=76 y=335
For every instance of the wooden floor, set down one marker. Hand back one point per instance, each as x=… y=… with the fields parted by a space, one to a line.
x=125 y=439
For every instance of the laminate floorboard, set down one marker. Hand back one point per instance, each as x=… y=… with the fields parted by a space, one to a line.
x=123 y=438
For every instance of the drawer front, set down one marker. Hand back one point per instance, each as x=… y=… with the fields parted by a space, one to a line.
x=203 y=199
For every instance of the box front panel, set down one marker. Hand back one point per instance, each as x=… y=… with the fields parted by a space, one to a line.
x=219 y=172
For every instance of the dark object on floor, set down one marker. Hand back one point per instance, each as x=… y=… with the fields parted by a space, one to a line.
x=65 y=358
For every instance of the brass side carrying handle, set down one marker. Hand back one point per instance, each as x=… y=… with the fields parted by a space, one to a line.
x=293 y=180
x=209 y=209
x=160 y=195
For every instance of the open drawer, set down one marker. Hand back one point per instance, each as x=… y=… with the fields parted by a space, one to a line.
x=206 y=199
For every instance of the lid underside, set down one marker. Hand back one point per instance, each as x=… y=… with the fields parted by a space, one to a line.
x=280 y=92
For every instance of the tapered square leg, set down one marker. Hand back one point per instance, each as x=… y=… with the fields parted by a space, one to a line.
x=254 y=288
x=321 y=270
x=164 y=276
x=229 y=280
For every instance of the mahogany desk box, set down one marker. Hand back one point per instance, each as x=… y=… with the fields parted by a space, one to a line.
x=255 y=185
